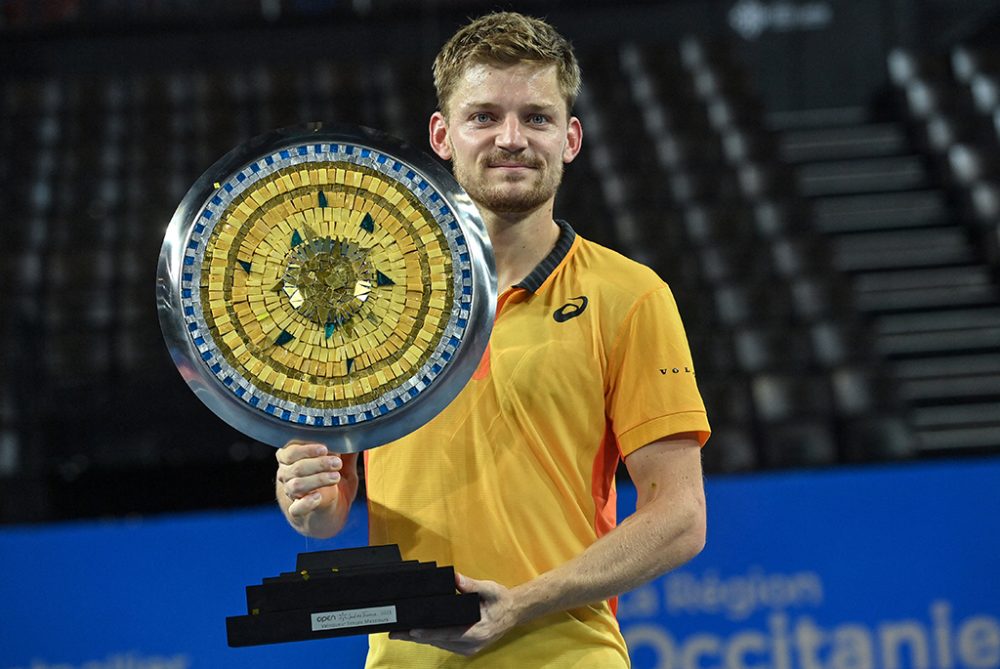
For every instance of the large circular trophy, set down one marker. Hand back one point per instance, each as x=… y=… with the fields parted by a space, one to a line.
x=330 y=283
x=326 y=283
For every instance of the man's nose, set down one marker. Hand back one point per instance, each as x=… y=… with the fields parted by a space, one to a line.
x=510 y=137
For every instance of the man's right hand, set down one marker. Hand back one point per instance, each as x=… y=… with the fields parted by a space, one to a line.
x=315 y=487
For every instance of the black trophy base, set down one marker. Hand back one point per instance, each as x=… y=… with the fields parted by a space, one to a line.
x=351 y=591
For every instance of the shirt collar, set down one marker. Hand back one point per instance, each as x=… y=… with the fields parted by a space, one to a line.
x=544 y=269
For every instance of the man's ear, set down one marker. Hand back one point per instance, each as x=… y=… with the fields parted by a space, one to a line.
x=574 y=139
x=439 y=136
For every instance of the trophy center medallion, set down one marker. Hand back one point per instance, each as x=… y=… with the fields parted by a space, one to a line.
x=327 y=280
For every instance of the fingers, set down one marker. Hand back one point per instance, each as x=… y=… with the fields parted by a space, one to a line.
x=297 y=450
x=487 y=590
x=304 y=470
x=298 y=487
x=302 y=507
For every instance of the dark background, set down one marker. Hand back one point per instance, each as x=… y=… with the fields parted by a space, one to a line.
x=111 y=109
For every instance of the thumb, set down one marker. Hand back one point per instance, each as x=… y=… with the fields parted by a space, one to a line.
x=464 y=583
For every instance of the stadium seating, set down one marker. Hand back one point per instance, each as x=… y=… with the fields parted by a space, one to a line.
x=838 y=279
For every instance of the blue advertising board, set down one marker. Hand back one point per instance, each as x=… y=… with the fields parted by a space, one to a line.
x=887 y=568
x=893 y=567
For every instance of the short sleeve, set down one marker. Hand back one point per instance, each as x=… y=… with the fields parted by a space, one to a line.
x=652 y=392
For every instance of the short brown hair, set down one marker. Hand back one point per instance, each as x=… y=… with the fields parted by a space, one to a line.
x=506 y=38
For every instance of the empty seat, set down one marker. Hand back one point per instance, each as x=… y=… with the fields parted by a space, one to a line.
x=740 y=145
x=800 y=443
x=970 y=164
x=679 y=151
x=800 y=255
x=733 y=263
x=821 y=296
x=924 y=99
x=720 y=224
x=862 y=390
x=906 y=66
x=770 y=348
x=795 y=420
x=711 y=348
x=727 y=398
x=839 y=342
x=985 y=90
x=725 y=113
x=686 y=186
x=968 y=61
x=733 y=449
x=789 y=395
x=10 y=452
x=752 y=302
x=758 y=181
x=78 y=354
x=774 y=218
x=876 y=438
x=984 y=203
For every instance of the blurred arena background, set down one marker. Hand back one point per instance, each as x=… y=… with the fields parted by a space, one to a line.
x=818 y=180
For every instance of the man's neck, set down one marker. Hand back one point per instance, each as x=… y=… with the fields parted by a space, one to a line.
x=520 y=242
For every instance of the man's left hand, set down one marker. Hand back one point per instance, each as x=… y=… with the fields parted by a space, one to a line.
x=496 y=617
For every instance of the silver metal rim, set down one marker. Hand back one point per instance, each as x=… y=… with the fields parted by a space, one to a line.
x=379 y=429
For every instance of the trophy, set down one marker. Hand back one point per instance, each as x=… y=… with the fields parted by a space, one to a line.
x=330 y=283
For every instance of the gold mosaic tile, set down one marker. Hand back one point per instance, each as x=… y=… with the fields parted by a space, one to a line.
x=315 y=289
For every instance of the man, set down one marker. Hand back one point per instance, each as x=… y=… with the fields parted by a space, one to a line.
x=513 y=482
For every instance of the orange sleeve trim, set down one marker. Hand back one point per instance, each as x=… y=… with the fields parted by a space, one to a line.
x=659 y=428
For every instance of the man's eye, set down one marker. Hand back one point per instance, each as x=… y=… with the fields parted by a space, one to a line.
x=538 y=119
x=481 y=117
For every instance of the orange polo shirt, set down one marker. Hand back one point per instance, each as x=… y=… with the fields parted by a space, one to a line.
x=588 y=362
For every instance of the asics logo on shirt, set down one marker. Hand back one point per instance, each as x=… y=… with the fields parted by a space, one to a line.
x=571 y=309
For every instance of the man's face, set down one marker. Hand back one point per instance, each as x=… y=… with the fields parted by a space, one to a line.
x=507 y=134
